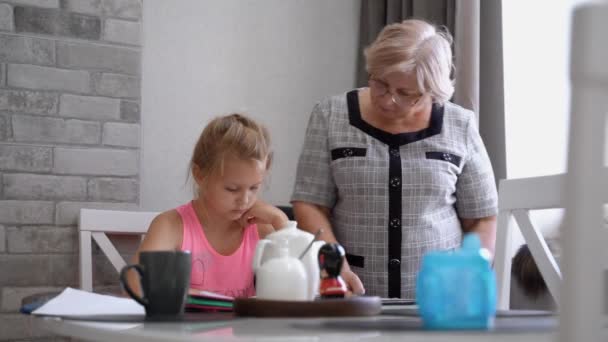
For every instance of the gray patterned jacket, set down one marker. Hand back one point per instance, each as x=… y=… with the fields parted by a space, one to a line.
x=394 y=196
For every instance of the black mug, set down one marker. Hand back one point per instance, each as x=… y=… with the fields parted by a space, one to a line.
x=165 y=279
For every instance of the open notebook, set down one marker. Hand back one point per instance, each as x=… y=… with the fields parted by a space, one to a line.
x=208 y=301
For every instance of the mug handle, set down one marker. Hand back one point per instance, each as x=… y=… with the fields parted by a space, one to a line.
x=125 y=285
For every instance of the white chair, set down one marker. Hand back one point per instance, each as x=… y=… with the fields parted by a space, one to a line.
x=584 y=316
x=94 y=224
x=516 y=197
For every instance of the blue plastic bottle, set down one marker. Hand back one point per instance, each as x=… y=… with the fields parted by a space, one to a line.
x=457 y=290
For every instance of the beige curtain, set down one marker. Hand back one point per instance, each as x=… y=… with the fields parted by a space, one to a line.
x=491 y=85
x=466 y=55
x=479 y=73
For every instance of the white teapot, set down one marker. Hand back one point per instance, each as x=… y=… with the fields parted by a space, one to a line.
x=296 y=240
x=282 y=278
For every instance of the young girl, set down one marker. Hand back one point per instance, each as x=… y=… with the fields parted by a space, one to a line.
x=223 y=224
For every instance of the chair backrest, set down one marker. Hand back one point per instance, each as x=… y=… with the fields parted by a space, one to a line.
x=516 y=197
x=94 y=224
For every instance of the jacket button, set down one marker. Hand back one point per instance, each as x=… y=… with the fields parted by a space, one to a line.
x=395 y=182
x=394 y=262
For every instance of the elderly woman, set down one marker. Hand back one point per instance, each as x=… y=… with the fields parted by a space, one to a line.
x=395 y=170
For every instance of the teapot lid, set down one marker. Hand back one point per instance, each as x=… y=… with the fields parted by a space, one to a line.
x=290 y=225
x=290 y=230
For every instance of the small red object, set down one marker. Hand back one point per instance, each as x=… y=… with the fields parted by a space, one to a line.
x=332 y=287
x=331 y=259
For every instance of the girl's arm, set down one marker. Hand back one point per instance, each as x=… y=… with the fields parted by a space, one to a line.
x=264 y=229
x=165 y=234
x=267 y=217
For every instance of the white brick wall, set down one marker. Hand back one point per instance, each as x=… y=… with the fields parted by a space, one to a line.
x=113 y=189
x=96 y=162
x=6 y=17
x=4 y=128
x=128 y=9
x=121 y=134
x=115 y=85
x=89 y=107
x=26 y=212
x=122 y=31
x=43 y=129
x=32 y=102
x=69 y=139
x=46 y=78
x=25 y=158
x=129 y=111
x=10 y=297
x=2 y=74
x=41 y=239
x=98 y=57
x=37 y=3
x=44 y=187
x=27 y=50
x=2 y=239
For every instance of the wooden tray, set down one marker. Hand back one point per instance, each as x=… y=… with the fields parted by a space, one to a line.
x=352 y=306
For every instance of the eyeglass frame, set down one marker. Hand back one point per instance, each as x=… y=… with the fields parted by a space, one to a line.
x=401 y=100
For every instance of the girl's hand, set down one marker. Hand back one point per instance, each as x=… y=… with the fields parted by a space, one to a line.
x=264 y=213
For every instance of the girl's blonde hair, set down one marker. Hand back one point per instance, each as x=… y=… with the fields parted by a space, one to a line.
x=235 y=135
x=418 y=47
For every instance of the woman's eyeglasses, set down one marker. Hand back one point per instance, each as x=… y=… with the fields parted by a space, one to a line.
x=400 y=97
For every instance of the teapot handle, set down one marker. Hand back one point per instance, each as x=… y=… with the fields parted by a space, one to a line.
x=259 y=253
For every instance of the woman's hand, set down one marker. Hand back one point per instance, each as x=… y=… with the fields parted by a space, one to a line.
x=264 y=213
x=354 y=284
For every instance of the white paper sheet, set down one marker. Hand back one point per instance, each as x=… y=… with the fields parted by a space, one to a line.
x=73 y=302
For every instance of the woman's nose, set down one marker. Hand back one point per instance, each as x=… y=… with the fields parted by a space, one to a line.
x=388 y=99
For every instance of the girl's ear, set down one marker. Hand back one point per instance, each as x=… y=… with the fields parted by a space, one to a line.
x=197 y=173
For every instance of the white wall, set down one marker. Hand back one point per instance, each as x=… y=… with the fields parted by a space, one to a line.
x=272 y=59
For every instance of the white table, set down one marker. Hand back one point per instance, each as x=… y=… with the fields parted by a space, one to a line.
x=384 y=327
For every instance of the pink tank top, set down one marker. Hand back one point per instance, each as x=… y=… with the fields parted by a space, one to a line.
x=230 y=275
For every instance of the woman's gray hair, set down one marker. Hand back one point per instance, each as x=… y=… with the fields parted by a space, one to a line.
x=417 y=47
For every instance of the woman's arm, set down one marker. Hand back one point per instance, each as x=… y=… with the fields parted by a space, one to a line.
x=164 y=234
x=485 y=227
x=312 y=217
